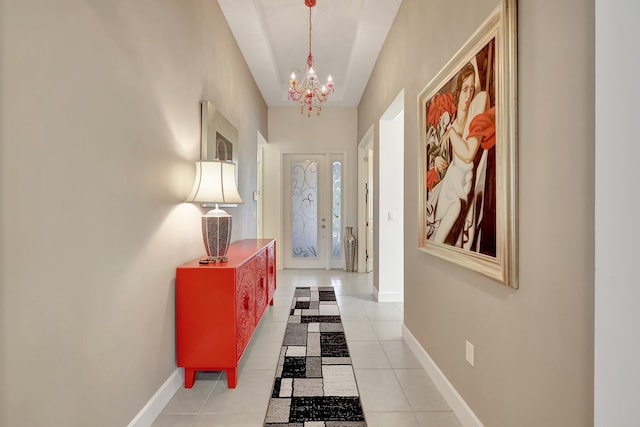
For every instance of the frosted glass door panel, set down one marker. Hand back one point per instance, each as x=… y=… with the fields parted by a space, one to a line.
x=304 y=209
x=306 y=222
x=336 y=218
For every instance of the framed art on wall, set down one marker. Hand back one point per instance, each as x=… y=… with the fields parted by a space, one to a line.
x=218 y=136
x=467 y=189
x=219 y=139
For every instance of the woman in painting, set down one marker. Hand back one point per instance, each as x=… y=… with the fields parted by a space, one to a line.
x=452 y=211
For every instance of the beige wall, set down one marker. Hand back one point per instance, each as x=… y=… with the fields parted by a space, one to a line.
x=100 y=128
x=334 y=131
x=534 y=346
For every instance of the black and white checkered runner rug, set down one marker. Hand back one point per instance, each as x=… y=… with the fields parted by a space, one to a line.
x=315 y=385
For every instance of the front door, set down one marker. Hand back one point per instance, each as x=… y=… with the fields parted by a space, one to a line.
x=308 y=211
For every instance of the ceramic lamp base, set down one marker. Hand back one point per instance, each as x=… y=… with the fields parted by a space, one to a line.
x=216 y=233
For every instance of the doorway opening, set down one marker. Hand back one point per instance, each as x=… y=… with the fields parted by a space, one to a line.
x=390 y=284
x=257 y=196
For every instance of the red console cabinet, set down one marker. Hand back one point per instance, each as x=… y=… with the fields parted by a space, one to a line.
x=218 y=307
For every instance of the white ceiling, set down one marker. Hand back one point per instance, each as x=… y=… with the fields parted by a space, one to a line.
x=347 y=36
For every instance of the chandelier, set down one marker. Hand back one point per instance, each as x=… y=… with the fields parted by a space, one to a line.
x=309 y=93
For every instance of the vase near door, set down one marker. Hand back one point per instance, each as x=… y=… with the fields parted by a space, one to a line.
x=350 y=250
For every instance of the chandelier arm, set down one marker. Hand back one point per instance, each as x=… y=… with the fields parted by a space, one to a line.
x=322 y=97
x=296 y=96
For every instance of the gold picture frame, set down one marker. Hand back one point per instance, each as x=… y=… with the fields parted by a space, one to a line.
x=468 y=153
x=218 y=136
x=219 y=140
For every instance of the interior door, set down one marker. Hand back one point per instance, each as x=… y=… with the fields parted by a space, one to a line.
x=307 y=211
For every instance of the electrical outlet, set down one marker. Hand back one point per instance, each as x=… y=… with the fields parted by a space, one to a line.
x=470 y=353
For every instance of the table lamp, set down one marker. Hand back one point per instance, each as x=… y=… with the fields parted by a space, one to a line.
x=215 y=182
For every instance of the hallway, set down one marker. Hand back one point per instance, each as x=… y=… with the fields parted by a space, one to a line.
x=395 y=390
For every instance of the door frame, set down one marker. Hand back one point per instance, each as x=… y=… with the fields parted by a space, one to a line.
x=364 y=147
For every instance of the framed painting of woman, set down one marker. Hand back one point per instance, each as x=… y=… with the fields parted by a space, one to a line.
x=467 y=180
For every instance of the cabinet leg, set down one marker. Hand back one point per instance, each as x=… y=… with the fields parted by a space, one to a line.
x=189 y=377
x=271 y=302
x=232 y=377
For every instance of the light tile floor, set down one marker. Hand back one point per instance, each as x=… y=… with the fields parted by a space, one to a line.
x=394 y=389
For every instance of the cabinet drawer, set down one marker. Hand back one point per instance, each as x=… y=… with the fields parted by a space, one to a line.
x=261 y=284
x=271 y=271
x=245 y=306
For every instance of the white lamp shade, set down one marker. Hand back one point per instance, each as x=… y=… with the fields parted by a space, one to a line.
x=215 y=182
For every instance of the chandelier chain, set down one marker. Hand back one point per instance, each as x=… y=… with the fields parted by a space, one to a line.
x=309 y=30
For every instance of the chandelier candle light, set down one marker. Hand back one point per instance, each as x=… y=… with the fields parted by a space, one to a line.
x=309 y=93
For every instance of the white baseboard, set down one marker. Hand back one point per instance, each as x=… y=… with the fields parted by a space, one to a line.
x=156 y=404
x=450 y=394
x=388 y=296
